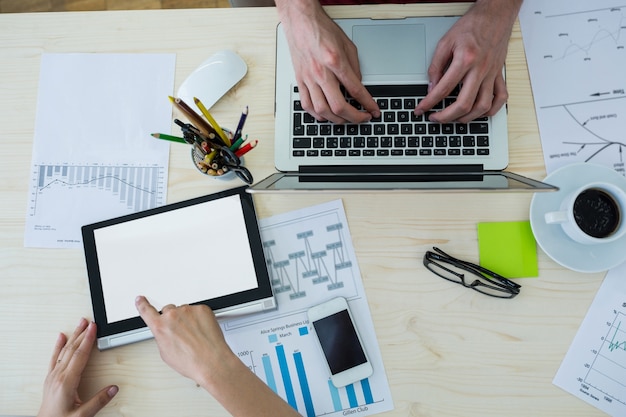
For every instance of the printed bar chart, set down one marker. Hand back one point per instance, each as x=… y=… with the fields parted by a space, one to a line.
x=310 y=258
x=136 y=187
x=60 y=192
x=291 y=367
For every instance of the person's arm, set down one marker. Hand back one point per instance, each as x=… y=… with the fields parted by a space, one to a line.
x=69 y=358
x=324 y=59
x=191 y=342
x=472 y=53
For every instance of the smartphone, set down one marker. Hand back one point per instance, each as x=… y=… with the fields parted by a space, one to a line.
x=340 y=342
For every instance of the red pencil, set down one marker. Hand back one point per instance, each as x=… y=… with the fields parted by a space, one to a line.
x=246 y=148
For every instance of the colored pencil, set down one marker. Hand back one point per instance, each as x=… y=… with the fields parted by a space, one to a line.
x=209 y=157
x=246 y=148
x=193 y=117
x=212 y=121
x=236 y=145
x=242 y=120
x=169 y=137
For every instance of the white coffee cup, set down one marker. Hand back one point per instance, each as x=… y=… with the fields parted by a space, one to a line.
x=592 y=214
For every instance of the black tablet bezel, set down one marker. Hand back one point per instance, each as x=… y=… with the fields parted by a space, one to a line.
x=263 y=290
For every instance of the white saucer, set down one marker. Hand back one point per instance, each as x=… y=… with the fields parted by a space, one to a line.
x=551 y=237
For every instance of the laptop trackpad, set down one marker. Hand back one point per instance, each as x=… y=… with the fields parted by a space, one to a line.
x=397 y=49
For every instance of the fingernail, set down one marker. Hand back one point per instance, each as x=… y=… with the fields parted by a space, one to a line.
x=112 y=391
x=81 y=322
x=138 y=299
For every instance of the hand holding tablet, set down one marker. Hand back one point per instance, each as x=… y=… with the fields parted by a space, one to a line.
x=202 y=251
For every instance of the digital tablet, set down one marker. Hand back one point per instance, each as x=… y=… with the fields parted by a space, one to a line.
x=202 y=251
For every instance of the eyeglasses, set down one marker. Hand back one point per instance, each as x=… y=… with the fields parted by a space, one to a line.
x=454 y=270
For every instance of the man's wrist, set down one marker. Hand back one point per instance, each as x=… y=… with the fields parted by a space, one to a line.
x=503 y=11
x=288 y=8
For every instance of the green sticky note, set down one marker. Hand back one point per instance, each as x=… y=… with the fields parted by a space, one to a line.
x=508 y=248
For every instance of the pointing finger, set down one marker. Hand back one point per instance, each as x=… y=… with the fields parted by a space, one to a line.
x=148 y=313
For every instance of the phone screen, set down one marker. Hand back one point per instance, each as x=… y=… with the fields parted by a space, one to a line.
x=339 y=342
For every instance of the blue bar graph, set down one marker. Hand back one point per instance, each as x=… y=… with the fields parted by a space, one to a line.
x=334 y=395
x=302 y=388
x=269 y=374
x=367 y=391
x=284 y=372
x=304 y=384
x=351 y=396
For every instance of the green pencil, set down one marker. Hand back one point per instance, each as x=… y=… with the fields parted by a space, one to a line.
x=169 y=137
x=237 y=144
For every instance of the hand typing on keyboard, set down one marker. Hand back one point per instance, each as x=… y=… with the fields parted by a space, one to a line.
x=398 y=132
x=471 y=54
x=324 y=58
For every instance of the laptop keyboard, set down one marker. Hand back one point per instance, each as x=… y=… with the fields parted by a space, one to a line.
x=398 y=132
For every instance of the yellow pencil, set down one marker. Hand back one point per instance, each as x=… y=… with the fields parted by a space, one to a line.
x=211 y=120
x=209 y=157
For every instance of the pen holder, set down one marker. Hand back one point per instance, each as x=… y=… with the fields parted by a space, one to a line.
x=198 y=160
x=220 y=163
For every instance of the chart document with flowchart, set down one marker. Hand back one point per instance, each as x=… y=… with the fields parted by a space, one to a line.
x=311 y=259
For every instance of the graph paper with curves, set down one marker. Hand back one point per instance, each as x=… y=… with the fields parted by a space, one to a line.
x=64 y=196
x=576 y=53
x=594 y=368
x=93 y=156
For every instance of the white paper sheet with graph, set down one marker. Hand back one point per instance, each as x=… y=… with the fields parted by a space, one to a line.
x=93 y=156
x=594 y=368
x=576 y=58
x=310 y=259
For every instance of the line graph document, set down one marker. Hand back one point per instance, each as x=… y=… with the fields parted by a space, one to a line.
x=576 y=57
x=594 y=368
x=310 y=259
x=93 y=156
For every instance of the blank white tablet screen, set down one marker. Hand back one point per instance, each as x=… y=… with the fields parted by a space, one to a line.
x=181 y=256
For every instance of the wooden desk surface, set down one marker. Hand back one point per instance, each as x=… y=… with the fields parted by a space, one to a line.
x=448 y=351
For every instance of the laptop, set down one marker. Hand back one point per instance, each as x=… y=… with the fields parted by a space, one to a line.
x=398 y=151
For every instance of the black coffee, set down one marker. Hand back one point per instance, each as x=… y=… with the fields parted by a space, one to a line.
x=596 y=213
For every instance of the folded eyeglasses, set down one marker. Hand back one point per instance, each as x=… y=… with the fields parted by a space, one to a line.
x=455 y=270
